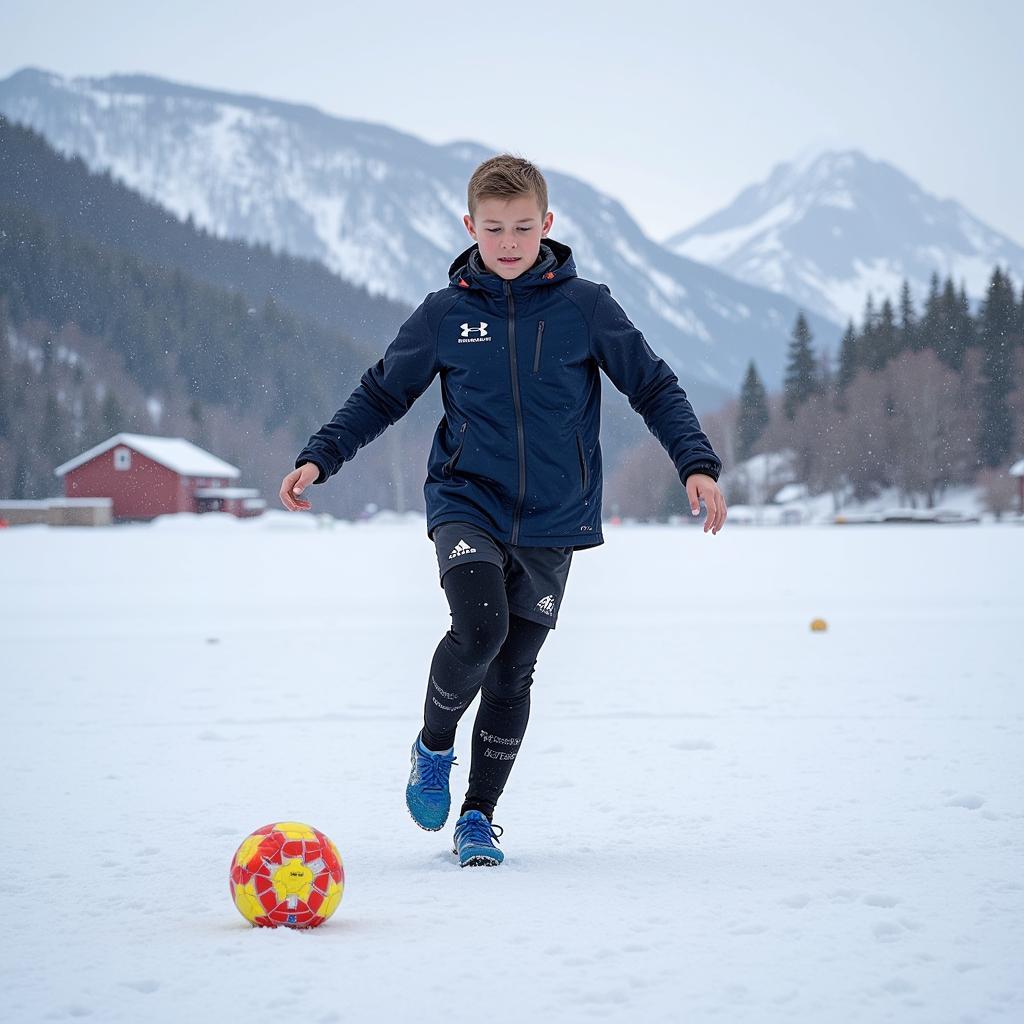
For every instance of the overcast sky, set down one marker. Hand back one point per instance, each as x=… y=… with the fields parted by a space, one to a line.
x=670 y=108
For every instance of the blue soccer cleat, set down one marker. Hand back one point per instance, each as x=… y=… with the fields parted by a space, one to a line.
x=474 y=845
x=426 y=794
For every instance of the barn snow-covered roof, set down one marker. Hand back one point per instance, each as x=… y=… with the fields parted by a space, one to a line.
x=175 y=453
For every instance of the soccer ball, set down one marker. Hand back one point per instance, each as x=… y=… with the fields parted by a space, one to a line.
x=287 y=874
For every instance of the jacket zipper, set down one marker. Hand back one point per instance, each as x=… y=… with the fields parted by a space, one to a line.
x=449 y=467
x=536 y=355
x=584 y=475
x=519 y=412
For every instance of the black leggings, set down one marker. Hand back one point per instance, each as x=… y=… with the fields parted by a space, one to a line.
x=490 y=651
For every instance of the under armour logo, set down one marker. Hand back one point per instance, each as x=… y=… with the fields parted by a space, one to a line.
x=467 y=330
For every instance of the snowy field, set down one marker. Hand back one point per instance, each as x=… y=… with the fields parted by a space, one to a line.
x=717 y=814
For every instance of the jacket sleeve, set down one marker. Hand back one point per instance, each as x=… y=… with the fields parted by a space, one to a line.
x=384 y=394
x=652 y=388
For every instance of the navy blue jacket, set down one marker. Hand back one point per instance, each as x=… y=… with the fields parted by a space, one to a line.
x=517 y=449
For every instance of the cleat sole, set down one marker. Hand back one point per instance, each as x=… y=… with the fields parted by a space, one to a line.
x=480 y=862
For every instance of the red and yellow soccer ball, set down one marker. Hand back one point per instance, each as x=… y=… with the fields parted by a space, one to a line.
x=287 y=875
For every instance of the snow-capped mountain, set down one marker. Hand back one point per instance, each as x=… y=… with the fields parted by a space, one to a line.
x=384 y=209
x=826 y=231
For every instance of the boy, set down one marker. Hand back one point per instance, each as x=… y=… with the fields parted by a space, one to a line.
x=514 y=475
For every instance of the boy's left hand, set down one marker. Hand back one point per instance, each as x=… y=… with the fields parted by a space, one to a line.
x=699 y=486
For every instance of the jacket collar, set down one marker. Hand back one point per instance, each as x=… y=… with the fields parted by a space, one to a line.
x=554 y=263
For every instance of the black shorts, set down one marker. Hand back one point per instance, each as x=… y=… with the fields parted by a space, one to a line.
x=534 y=577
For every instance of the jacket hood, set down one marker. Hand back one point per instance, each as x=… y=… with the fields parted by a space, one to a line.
x=554 y=263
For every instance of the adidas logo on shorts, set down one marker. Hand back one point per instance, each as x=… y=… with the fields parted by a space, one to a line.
x=546 y=605
x=462 y=548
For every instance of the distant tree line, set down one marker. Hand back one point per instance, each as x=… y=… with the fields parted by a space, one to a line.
x=917 y=400
x=95 y=342
x=92 y=205
x=119 y=317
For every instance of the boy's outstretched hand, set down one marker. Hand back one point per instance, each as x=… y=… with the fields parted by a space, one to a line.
x=699 y=486
x=296 y=482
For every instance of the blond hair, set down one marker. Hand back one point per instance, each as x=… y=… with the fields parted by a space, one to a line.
x=504 y=177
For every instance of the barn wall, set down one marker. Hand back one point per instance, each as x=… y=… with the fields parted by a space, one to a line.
x=145 y=490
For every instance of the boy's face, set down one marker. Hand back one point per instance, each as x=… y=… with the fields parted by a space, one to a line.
x=509 y=232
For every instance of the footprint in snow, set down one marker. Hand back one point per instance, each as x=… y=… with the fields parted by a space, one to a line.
x=880 y=899
x=886 y=931
x=898 y=986
x=693 y=745
x=146 y=985
x=843 y=895
x=969 y=800
x=797 y=901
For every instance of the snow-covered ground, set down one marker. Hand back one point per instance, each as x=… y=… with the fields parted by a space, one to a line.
x=718 y=814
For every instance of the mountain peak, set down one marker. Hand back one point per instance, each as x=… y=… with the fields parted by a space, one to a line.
x=833 y=226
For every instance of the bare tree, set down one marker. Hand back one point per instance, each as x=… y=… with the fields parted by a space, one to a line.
x=998 y=489
x=638 y=485
x=810 y=440
x=904 y=427
x=1016 y=401
x=931 y=434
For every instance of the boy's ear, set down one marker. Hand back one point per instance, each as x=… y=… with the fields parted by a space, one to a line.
x=468 y=221
x=546 y=226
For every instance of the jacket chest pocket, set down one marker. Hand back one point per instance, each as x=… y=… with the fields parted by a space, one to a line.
x=536 y=351
x=584 y=474
x=449 y=467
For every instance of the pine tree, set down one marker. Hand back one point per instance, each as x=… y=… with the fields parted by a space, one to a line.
x=930 y=327
x=995 y=437
x=948 y=340
x=52 y=432
x=868 y=332
x=966 y=330
x=197 y=421
x=801 y=379
x=885 y=340
x=47 y=371
x=753 y=413
x=6 y=374
x=91 y=432
x=908 y=320
x=826 y=374
x=112 y=416
x=847 y=359
x=22 y=479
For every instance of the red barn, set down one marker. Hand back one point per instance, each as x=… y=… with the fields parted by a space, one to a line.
x=151 y=476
